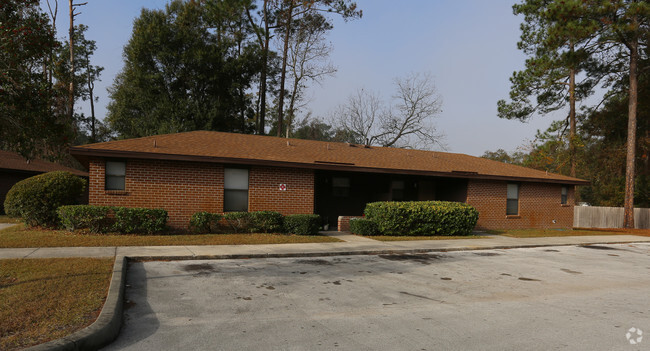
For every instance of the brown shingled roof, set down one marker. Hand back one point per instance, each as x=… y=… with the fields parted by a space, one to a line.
x=13 y=161
x=209 y=146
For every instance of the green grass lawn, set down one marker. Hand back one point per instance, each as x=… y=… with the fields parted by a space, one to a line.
x=18 y=236
x=436 y=237
x=538 y=233
x=45 y=299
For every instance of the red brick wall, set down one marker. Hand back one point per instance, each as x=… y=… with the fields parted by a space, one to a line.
x=264 y=192
x=344 y=223
x=539 y=205
x=183 y=188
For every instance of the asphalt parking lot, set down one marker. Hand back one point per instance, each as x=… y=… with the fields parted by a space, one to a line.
x=568 y=297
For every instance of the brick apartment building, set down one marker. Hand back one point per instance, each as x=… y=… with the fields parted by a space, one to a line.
x=218 y=172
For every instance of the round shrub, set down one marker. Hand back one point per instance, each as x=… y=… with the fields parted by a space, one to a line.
x=37 y=199
x=363 y=226
x=302 y=224
x=422 y=217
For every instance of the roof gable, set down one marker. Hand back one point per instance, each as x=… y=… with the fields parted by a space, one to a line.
x=14 y=161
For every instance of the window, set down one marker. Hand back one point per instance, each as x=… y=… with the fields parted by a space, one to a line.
x=512 y=205
x=235 y=195
x=397 y=187
x=115 y=175
x=340 y=187
x=564 y=193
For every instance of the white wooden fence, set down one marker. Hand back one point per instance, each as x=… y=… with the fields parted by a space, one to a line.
x=608 y=217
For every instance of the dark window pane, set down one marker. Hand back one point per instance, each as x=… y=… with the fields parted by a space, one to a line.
x=117 y=168
x=340 y=187
x=512 y=207
x=340 y=191
x=565 y=192
x=235 y=200
x=235 y=178
x=513 y=191
x=115 y=183
x=115 y=175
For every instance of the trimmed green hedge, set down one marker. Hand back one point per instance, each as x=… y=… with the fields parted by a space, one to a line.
x=422 y=217
x=104 y=219
x=267 y=222
x=302 y=224
x=240 y=222
x=94 y=218
x=36 y=199
x=140 y=220
x=204 y=222
x=363 y=226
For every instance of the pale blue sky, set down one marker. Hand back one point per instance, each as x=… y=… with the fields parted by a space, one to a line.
x=469 y=47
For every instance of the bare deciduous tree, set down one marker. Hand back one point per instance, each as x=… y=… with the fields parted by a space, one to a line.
x=406 y=122
x=308 y=61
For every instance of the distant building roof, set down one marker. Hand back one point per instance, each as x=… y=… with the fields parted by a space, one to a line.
x=13 y=161
x=207 y=146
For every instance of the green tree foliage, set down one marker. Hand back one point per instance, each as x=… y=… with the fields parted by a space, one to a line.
x=89 y=128
x=185 y=69
x=608 y=42
x=558 y=37
x=501 y=155
x=316 y=129
x=625 y=31
x=31 y=118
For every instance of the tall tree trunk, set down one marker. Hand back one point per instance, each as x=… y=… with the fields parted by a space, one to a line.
x=265 y=65
x=292 y=103
x=71 y=88
x=283 y=75
x=91 y=88
x=572 y=117
x=628 y=221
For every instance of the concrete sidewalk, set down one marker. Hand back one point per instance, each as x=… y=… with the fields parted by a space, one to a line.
x=353 y=245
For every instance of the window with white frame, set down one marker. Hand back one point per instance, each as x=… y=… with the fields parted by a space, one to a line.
x=235 y=194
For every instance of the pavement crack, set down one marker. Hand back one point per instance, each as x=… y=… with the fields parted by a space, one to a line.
x=31 y=253
x=188 y=249
x=420 y=296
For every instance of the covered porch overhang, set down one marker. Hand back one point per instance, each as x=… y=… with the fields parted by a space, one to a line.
x=340 y=193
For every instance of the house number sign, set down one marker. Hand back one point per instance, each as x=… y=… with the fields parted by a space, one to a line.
x=283 y=187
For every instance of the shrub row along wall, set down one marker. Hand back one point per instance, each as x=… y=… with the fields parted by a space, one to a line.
x=184 y=188
x=104 y=219
x=255 y=222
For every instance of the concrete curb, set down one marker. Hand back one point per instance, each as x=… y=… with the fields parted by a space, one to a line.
x=353 y=253
x=105 y=329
